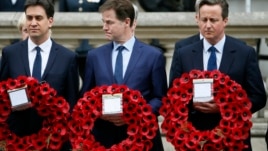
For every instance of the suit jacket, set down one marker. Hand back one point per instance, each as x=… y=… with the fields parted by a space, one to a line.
x=185 y=42
x=61 y=73
x=7 y=6
x=239 y=61
x=190 y=40
x=161 y=5
x=179 y=44
x=145 y=72
x=85 y=6
x=266 y=139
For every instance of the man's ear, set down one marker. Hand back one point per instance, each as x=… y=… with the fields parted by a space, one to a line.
x=50 y=20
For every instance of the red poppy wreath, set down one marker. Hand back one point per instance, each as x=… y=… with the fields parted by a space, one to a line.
x=234 y=107
x=55 y=111
x=137 y=114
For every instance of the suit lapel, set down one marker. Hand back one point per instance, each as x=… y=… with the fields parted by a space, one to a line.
x=25 y=59
x=136 y=53
x=227 y=56
x=196 y=38
x=51 y=59
x=107 y=53
x=197 y=53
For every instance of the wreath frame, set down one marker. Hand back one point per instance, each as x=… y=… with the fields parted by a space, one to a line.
x=138 y=115
x=234 y=108
x=54 y=109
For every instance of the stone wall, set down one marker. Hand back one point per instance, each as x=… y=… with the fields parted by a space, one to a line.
x=70 y=28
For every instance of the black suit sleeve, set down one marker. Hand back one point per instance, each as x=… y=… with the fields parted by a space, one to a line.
x=254 y=83
x=72 y=83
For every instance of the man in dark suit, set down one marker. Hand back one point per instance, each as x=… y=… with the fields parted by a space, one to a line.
x=178 y=45
x=233 y=58
x=12 y=5
x=80 y=6
x=143 y=69
x=266 y=138
x=58 y=64
x=189 y=40
x=161 y=5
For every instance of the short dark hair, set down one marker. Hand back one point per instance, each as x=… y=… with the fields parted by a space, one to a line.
x=46 y=4
x=223 y=4
x=123 y=9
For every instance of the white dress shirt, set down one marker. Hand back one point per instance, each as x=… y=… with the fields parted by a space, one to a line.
x=126 y=53
x=219 y=46
x=45 y=50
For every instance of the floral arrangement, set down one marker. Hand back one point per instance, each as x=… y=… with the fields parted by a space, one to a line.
x=142 y=123
x=54 y=109
x=234 y=107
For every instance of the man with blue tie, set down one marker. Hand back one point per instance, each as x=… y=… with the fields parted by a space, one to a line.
x=128 y=61
x=221 y=52
x=41 y=57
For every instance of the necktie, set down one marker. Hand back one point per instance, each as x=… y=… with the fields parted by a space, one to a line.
x=37 y=64
x=212 y=61
x=118 y=72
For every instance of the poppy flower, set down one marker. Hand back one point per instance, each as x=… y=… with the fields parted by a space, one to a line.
x=216 y=135
x=185 y=78
x=176 y=83
x=145 y=130
x=223 y=80
x=196 y=74
x=12 y=84
x=227 y=114
x=209 y=147
x=246 y=114
x=174 y=93
x=39 y=142
x=5 y=109
x=163 y=111
x=46 y=90
x=246 y=104
x=182 y=110
x=148 y=145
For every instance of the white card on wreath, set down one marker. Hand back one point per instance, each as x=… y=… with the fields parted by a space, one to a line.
x=202 y=90
x=19 y=98
x=112 y=104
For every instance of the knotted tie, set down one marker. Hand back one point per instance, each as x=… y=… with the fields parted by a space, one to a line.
x=212 y=61
x=37 y=64
x=118 y=72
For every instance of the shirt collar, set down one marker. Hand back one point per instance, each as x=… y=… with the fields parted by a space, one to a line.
x=45 y=47
x=128 y=44
x=218 y=46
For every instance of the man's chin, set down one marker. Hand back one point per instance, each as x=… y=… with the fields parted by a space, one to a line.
x=34 y=35
x=109 y=37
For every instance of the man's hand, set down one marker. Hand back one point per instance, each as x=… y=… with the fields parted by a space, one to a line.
x=117 y=119
x=22 y=107
x=206 y=107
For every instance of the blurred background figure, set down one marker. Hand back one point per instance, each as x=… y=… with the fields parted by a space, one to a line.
x=12 y=5
x=188 y=5
x=21 y=25
x=81 y=6
x=161 y=5
x=168 y=5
